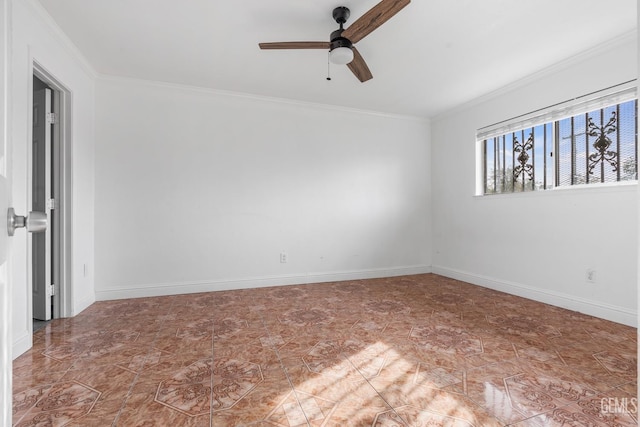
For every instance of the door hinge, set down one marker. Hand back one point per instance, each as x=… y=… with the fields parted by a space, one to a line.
x=51 y=290
x=51 y=204
x=52 y=118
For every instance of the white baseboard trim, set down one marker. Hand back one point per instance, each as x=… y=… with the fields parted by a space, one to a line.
x=163 y=289
x=21 y=344
x=82 y=305
x=558 y=299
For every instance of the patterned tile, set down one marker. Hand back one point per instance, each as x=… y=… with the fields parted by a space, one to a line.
x=61 y=404
x=525 y=326
x=297 y=408
x=413 y=416
x=446 y=339
x=232 y=381
x=189 y=390
x=348 y=358
x=530 y=394
x=624 y=365
x=589 y=412
x=307 y=317
x=27 y=399
x=403 y=351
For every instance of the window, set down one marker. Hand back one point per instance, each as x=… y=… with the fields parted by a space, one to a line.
x=597 y=146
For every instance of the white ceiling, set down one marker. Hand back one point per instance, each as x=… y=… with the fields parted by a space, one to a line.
x=430 y=57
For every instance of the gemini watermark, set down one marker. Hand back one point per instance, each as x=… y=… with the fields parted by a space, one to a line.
x=619 y=405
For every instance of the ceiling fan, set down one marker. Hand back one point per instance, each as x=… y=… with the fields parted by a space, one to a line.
x=341 y=45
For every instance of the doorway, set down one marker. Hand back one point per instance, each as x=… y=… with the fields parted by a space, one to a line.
x=49 y=181
x=43 y=172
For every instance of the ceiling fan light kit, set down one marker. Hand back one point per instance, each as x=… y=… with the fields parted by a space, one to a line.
x=341 y=55
x=341 y=46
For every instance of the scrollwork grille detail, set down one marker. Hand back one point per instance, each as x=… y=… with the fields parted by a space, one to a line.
x=524 y=168
x=603 y=142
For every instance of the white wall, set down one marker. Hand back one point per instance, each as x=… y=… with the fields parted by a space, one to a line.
x=199 y=190
x=538 y=245
x=35 y=38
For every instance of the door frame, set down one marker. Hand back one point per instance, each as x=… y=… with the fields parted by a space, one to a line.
x=62 y=187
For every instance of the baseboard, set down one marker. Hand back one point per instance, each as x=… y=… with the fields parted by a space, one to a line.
x=163 y=289
x=82 y=305
x=21 y=344
x=558 y=299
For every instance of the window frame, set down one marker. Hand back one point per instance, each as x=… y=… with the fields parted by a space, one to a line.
x=552 y=116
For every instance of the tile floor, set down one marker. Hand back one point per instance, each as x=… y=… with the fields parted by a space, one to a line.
x=39 y=324
x=408 y=351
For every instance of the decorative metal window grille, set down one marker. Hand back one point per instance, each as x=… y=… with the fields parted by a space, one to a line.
x=595 y=147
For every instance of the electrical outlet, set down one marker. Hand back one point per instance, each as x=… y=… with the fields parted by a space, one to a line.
x=283 y=257
x=590 y=276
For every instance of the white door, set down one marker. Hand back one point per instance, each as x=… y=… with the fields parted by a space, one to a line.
x=41 y=195
x=5 y=308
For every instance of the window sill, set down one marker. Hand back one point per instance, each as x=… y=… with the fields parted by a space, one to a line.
x=614 y=187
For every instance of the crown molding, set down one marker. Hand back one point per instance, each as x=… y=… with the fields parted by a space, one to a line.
x=259 y=98
x=623 y=39
x=66 y=42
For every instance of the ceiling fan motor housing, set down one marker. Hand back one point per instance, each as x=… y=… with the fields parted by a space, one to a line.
x=338 y=41
x=340 y=14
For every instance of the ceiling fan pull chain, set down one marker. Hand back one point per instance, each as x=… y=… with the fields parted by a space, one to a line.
x=328 y=66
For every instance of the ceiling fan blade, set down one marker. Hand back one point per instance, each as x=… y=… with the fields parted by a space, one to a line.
x=294 y=45
x=359 y=68
x=376 y=16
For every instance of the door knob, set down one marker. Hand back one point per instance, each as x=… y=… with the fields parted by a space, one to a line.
x=35 y=222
